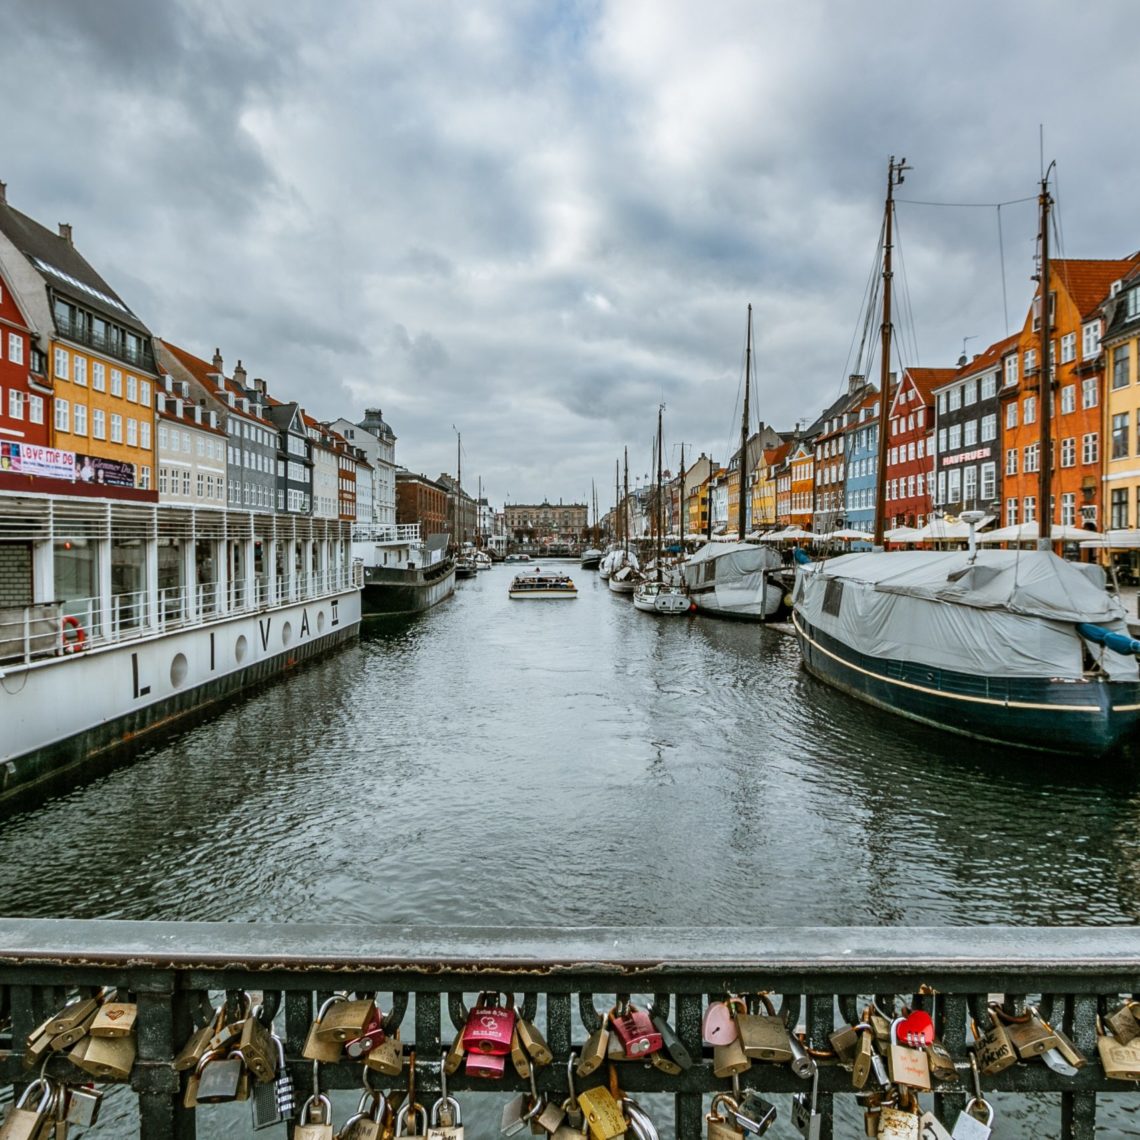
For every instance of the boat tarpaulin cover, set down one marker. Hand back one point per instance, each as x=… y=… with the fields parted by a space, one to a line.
x=1006 y=614
x=736 y=568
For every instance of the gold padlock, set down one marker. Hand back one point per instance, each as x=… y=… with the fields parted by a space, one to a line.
x=603 y=1115
x=1121 y=1061
x=764 y=1036
x=906 y=1065
x=730 y=1059
x=721 y=1126
x=343 y=1020
x=995 y=1050
x=114 y=1019
x=387 y=1057
x=106 y=1058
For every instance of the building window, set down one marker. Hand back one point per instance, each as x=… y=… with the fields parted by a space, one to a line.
x=162 y=437
x=80 y=419
x=201 y=485
x=162 y=484
x=989 y=481
x=1068 y=347
x=989 y=385
x=1011 y=370
x=1119 y=508
x=1030 y=415
x=942 y=441
x=941 y=494
x=98 y=424
x=144 y=478
x=132 y=432
x=941 y=403
x=954 y=485
x=132 y=388
x=1069 y=509
x=62 y=363
x=1090 y=340
x=1069 y=452
x=80 y=374
x=1011 y=512
x=955 y=437
x=98 y=376
x=1030 y=508
x=144 y=392
x=1011 y=414
x=1068 y=399
x=1120 y=436
x=116 y=382
x=144 y=435
x=1089 y=392
x=186 y=482
x=1011 y=461
x=1030 y=361
x=1032 y=454
x=1090 y=448
x=955 y=398
x=1120 y=375
x=15 y=348
x=970 y=433
x=970 y=484
x=116 y=428
x=969 y=392
x=989 y=427
x=62 y=414
x=36 y=409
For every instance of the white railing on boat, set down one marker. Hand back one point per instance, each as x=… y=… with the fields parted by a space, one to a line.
x=53 y=629
x=387 y=532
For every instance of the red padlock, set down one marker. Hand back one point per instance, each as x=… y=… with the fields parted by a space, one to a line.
x=372 y=1036
x=490 y=1026
x=636 y=1032
x=489 y=1065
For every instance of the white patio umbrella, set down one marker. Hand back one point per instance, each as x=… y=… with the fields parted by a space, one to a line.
x=901 y=534
x=849 y=534
x=939 y=530
x=1029 y=532
x=1112 y=540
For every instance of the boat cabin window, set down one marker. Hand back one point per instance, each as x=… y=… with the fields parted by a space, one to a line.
x=833 y=596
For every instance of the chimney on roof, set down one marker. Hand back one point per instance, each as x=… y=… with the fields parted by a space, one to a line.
x=3 y=193
x=259 y=385
x=65 y=232
x=217 y=362
x=854 y=382
x=239 y=375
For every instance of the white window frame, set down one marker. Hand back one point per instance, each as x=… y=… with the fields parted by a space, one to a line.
x=62 y=414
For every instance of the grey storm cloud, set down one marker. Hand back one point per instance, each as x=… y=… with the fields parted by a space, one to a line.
x=537 y=222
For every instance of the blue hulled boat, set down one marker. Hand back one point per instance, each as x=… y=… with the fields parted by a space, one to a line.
x=1014 y=647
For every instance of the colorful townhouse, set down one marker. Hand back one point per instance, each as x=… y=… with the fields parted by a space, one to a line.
x=191 y=449
x=764 y=511
x=862 y=450
x=1076 y=291
x=99 y=360
x=910 y=454
x=967 y=411
x=801 y=484
x=1120 y=346
x=24 y=396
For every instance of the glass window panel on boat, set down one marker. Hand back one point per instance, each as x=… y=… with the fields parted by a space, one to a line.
x=171 y=587
x=76 y=568
x=128 y=589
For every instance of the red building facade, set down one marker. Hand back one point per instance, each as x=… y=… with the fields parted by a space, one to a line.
x=24 y=389
x=910 y=454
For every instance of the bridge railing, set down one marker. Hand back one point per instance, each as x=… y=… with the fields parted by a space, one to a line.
x=567 y=979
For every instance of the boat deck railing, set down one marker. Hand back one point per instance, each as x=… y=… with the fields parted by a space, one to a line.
x=54 y=629
x=387 y=532
x=565 y=980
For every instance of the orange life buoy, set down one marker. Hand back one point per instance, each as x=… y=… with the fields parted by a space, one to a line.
x=77 y=637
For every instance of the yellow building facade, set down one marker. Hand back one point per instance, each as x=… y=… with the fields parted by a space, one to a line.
x=1121 y=404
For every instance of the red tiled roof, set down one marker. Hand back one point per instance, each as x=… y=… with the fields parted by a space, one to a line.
x=204 y=373
x=927 y=379
x=988 y=358
x=1087 y=282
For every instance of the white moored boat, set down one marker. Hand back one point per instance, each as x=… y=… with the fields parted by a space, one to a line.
x=661 y=598
x=543 y=585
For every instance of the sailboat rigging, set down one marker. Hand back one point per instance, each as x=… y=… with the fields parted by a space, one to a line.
x=737 y=579
x=656 y=596
x=1012 y=647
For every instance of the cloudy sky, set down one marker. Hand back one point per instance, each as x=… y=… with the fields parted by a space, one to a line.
x=537 y=221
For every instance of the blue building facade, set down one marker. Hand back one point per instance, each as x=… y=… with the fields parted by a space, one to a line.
x=862 y=467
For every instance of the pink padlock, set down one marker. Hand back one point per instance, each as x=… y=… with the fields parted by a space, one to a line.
x=490 y=1026
x=718 y=1026
x=489 y=1065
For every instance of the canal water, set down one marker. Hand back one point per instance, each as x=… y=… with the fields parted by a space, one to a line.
x=580 y=762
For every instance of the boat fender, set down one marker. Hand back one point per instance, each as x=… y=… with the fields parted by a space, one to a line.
x=73 y=634
x=1117 y=642
x=692 y=607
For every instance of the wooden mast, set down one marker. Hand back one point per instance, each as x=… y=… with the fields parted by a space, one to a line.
x=660 y=501
x=1044 y=384
x=894 y=178
x=684 y=510
x=742 y=509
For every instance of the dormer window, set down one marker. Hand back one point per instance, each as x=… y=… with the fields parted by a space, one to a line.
x=1037 y=311
x=1132 y=302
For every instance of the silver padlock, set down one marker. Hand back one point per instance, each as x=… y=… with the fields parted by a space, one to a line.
x=83 y=1103
x=931 y=1128
x=754 y=1114
x=640 y=1123
x=805 y=1119
x=275 y=1101
x=970 y=1127
x=446 y=1119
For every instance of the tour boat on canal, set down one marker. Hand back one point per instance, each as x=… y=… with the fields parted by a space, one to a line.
x=543 y=584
